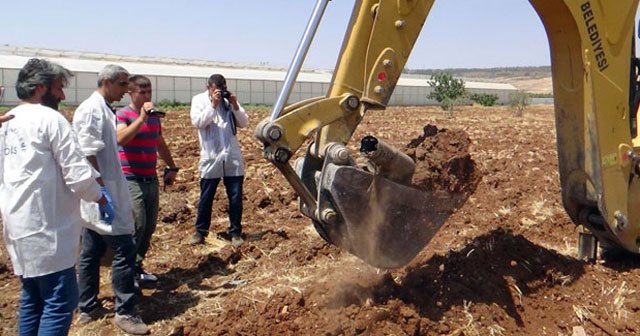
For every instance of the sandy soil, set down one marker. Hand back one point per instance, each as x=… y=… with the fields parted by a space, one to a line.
x=535 y=85
x=503 y=264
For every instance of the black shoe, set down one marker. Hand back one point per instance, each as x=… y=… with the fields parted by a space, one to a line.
x=96 y=314
x=224 y=236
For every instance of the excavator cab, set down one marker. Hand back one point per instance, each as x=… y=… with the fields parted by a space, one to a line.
x=375 y=213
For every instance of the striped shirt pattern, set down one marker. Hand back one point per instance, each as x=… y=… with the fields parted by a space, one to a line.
x=140 y=156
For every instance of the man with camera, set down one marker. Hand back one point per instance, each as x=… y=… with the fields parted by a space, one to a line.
x=216 y=114
x=140 y=140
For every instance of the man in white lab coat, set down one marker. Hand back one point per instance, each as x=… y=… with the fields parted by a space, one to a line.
x=43 y=176
x=216 y=113
x=95 y=124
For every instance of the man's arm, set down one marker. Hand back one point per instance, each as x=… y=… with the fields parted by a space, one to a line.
x=202 y=113
x=125 y=133
x=165 y=155
x=240 y=115
x=94 y=162
x=4 y=118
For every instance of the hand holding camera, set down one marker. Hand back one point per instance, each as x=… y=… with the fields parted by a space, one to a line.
x=221 y=95
x=148 y=109
x=225 y=94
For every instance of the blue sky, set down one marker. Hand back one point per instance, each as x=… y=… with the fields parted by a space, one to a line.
x=458 y=33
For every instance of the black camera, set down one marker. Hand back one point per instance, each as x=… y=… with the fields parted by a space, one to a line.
x=156 y=113
x=225 y=94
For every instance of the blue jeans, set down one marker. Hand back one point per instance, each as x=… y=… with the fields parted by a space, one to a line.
x=94 y=246
x=47 y=303
x=233 y=186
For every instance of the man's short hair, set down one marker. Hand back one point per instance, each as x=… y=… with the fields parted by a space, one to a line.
x=111 y=72
x=218 y=80
x=139 y=81
x=39 y=71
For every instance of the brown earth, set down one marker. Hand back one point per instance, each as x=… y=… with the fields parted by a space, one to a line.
x=503 y=264
x=532 y=85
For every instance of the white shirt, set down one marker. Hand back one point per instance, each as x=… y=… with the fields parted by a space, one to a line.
x=95 y=125
x=220 y=153
x=43 y=176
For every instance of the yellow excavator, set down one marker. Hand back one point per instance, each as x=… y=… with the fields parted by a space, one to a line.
x=375 y=213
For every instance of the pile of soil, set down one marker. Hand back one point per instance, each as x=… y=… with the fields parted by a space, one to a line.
x=443 y=161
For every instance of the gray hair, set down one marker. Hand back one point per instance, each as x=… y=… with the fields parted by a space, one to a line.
x=111 y=72
x=39 y=71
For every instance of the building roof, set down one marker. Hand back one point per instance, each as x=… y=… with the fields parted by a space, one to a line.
x=13 y=57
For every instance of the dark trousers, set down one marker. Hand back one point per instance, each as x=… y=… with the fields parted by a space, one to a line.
x=94 y=246
x=47 y=303
x=233 y=186
x=145 y=197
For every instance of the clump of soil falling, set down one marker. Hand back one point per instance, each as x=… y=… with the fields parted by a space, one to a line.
x=443 y=161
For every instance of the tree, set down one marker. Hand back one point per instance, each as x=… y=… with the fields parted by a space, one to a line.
x=519 y=100
x=484 y=99
x=446 y=90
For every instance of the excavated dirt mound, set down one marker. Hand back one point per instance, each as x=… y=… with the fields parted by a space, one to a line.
x=502 y=264
x=443 y=161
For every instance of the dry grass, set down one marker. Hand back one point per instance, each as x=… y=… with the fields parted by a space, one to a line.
x=470 y=328
x=582 y=312
x=620 y=312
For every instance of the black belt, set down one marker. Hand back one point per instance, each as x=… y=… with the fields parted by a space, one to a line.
x=142 y=179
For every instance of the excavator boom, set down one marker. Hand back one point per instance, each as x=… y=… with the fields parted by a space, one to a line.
x=376 y=214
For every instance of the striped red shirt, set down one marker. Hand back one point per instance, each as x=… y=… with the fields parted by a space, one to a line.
x=140 y=156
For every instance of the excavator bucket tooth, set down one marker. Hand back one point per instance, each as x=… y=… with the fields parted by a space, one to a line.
x=384 y=223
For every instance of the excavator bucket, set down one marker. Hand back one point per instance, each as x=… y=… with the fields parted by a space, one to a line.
x=382 y=222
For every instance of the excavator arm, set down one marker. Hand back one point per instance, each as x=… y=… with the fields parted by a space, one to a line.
x=376 y=214
x=594 y=80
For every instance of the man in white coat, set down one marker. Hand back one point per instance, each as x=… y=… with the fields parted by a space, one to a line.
x=43 y=176
x=95 y=124
x=216 y=113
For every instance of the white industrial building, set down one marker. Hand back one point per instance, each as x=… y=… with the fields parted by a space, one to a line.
x=178 y=80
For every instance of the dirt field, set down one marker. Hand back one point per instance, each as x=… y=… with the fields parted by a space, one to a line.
x=503 y=264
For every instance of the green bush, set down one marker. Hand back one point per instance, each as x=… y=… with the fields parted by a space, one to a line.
x=167 y=104
x=484 y=99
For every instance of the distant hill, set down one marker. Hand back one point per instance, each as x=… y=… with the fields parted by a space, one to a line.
x=534 y=79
